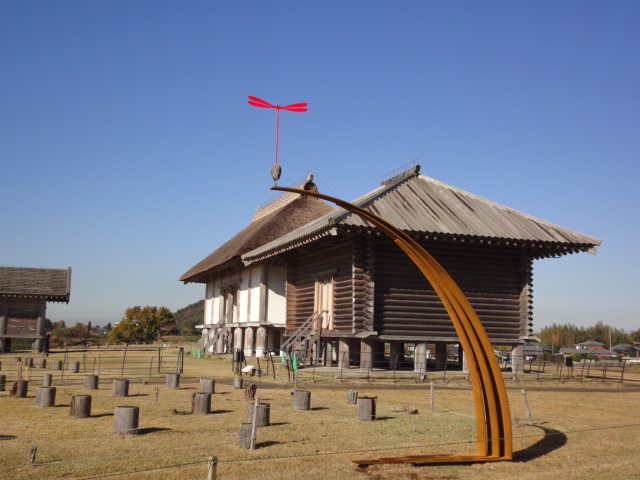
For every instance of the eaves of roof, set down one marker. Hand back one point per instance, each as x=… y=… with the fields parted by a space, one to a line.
x=51 y=284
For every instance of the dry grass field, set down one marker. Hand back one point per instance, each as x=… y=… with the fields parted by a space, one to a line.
x=581 y=430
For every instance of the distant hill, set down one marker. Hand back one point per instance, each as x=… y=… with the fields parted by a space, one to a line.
x=190 y=316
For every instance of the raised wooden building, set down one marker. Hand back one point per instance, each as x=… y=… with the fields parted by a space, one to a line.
x=368 y=293
x=24 y=293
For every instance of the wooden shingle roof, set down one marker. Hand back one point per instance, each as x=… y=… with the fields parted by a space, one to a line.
x=430 y=209
x=53 y=284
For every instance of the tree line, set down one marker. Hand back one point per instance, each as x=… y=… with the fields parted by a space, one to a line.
x=567 y=335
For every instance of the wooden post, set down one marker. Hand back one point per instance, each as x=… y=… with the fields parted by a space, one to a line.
x=45 y=396
x=90 y=382
x=367 y=408
x=57 y=364
x=213 y=467
x=81 y=406
x=433 y=397
x=237 y=382
x=173 y=380
x=41 y=363
x=352 y=397
x=3 y=382
x=46 y=380
x=301 y=400
x=22 y=387
x=121 y=387
x=254 y=428
x=526 y=405
x=245 y=435
x=201 y=402
x=74 y=367
x=263 y=414
x=207 y=385
x=125 y=420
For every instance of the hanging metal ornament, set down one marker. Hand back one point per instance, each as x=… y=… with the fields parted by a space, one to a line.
x=276 y=170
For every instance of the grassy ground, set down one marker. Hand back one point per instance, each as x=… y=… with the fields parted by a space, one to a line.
x=582 y=430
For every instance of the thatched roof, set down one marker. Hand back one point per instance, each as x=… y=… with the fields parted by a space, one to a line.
x=430 y=209
x=50 y=283
x=287 y=213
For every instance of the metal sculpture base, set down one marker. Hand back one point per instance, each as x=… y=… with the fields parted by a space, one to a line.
x=493 y=418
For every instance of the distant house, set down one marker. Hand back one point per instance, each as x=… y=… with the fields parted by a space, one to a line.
x=627 y=349
x=589 y=345
x=339 y=283
x=24 y=293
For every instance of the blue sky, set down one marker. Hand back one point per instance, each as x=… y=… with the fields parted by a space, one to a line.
x=129 y=153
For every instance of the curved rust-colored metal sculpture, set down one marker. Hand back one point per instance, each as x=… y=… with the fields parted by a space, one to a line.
x=493 y=418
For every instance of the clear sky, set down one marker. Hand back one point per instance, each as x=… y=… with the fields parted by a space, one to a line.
x=128 y=150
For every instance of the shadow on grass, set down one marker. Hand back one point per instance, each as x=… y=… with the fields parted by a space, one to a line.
x=319 y=408
x=144 y=431
x=218 y=412
x=267 y=444
x=553 y=439
x=102 y=415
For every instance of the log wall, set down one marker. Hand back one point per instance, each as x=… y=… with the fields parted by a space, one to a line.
x=496 y=281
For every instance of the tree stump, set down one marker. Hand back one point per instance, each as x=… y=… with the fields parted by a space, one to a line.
x=352 y=397
x=250 y=392
x=245 y=435
x=125 y=419
x=301 y=400
x=263 y=418
x=45 y=396
x=41 y=363
x=90 y=382
x=173 y=380
x=237 y=382
x=367 y=408
x=81 y=406
x=22 y=386
x=208 y=386
x=57 y=364
x=74 y=367
x=121 y=387
x=46 y=380
x=3 y=382
x=201 y=403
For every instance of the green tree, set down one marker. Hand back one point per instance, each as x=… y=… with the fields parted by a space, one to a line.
x=142 y=325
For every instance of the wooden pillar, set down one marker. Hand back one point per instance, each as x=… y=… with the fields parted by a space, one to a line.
x=517 y=359
x=352 y=397
x=120 y=387
x=46 y=380
x=263 y=418
x=329 y=352
x=90 y=382
x=57 y=365
x=366 y=355
x=208 y=385
x=3 y=319
x=125 y=420
x=22 y=387
x=420 y=357
x=41 y=363
x=42 y=313
x=396 y=355
x=45 y=396
x=261 y=341
x=201 y=402
x=441 y=355
x=237 y=382
x=238 y=337
x=245 y=435
x=74 y=367
x=81 y=406
x=249 y=342
x=301 y=400
x=344 y=353
x=367 y=408
x=173 y=380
